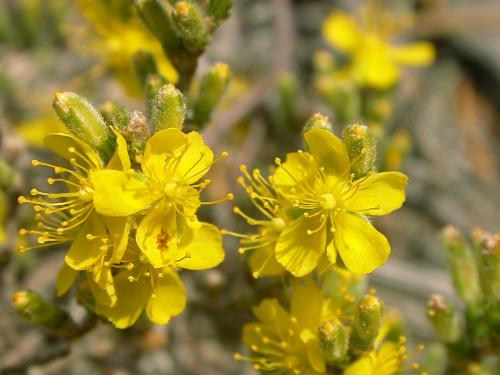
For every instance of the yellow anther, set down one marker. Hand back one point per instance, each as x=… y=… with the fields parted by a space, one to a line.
x=130 y=278
x=35 y=163
x=130 y=266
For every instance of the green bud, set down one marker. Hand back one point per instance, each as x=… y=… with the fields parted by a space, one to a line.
x=333 y=341
x=168 y=109
x=367 y=322
x=462 y=265
x=157 y=20
x=190 y=26
x=362 y=149
x=84 y=122
x=137 y=132
x=6 y=176
x=318 y=121
x=34 y=309
x=115 y=115
x=218 y=11
x=488 y=255
x=443 y=318
x=144 y=65
x=212 y=86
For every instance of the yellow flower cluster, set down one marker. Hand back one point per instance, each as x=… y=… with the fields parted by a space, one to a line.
x=313 y=210
x=287 y=342
x=374 y=61
x=128 y=230
x=114 y=34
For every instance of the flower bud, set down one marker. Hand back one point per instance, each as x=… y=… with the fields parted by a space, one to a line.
x=34 y=309
x=190 y=26
x=489 y=265
x=367 y=322
x=144 y=65
x=443 y=318
x=362 y=149
x=137 y=132
x=462 y=265
x=115 y=115
x=212 y=86
x=317 y=121
x=168 y=109
x=157 y=20
x=218 y=11
x=333 y=341
x=84 y=122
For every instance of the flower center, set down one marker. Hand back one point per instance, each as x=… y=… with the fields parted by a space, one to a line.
x=327 y=201
x=170 y=189
x=86 y=194
x=278 y=224
x=162 y=240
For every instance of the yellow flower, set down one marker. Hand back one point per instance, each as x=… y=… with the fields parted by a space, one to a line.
x=283 y=342
x=262 y=261
x=59 y=216
x=140 y=285
x=334 y=207
x=167 y=191
x=374 y=60
x=117 y=34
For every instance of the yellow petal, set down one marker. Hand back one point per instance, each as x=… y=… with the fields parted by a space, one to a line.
x=374 y=67
x=159 y=147
x=297 y=251
x=201 y=248
x=120 y=159
x=65 y=279
x=341 y=31
x=119 y=193
x=83 y=252
x=308 y=314
x=362 y=366
x=315 y=356
x=60 y=144
x=414 y=54
x=386 y=360
x=263 y=262
x=102 y=286
x=329 y=152
x=272 y=315
x=196 y=160
x=296 y=172
x=168 y=298
x=156 y=235
x=131 y=297
x=377 y=194
x=331 y=252
x=361 y=247
x=119 y=229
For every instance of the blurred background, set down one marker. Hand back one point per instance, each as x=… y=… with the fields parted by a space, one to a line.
x=443 y=132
